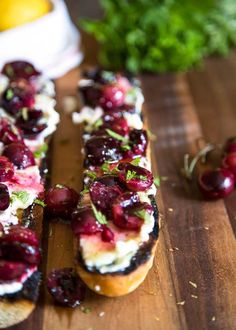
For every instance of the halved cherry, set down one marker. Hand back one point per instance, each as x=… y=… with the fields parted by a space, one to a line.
x=16 y=98
x=6 y=169
x=229 y=162
x=112 y=97
x=127 y=211
x=9 y=132
x=4 y=197
x=29 y=122
x=90 y=95
x=20 y=69
x=21 y=235
x=61 y=200
x=104 y=190
x=84 y=222
x=139 y=140
x=107 y=234
x=19 y=154
x=118 y=125
x=22 y=252
x=136 y=178
x=100 y=149
x=10 y=270
x=66 y=287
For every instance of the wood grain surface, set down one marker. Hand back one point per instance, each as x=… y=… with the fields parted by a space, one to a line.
x=193 y=282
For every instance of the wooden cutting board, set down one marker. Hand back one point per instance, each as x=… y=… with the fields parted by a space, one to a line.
x=193 y=282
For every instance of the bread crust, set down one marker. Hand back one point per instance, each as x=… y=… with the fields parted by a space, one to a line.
x=12 y=313
x=115 y=285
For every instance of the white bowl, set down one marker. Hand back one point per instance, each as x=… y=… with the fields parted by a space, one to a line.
x=51 y=42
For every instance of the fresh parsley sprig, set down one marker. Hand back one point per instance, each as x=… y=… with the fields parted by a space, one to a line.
x=100 y=217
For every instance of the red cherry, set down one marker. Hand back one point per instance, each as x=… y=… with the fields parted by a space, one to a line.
x=112 y=97
x=126 y=210
x=84 y=222
x=61 y=200
x=10 y=270
x=21 y=235
x=136 y=178
x=217 y=183
x=230 y=146
x=66 y=287
x=229 y=162
x=16 y=251
x=107 y=234
x=20 y=69
x=139 y=140
x=9 y=133
x=19 y=155
x=6 y=169
x=4 y=197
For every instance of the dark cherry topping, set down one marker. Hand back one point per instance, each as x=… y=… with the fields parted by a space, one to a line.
x=100 y=149
x=128 y=211
x=6 y=169
x=9 y=132
x=4 y=197
x=107 y=234
x=99 y=76
x=60 y=201
x=20 y=69
x=139 y=140
x=136 y=178
x=118 y=125
x=112 y=97
x=28 y=122
x=104 y=190
x=22 y=252
x=84 y=222
x=10 y=270
x=229 y=162
x=19 y=154
x=15 y=98
x=217 y=183
x=91 y=95
x=21 y=235
x=66 y=287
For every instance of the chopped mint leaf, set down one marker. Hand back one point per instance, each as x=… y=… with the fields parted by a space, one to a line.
x=9 y=70
x=24 y=112
x=116 y=135
x=143 y=214
x=20 y=195
x=105 y=168
x=142 y=177
x=157 y=181
x=136 y=161
x=9 y=94
x=41 y=151
x=108 y=75
x=130 y=175
x=84 y=191
x=98 y=123
x=60 y=186
x=101 y=218
x=125 y=147
x=39 y=202
x=91 y=174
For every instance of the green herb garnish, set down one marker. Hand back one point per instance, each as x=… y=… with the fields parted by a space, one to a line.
x=98 y=123
x=9 y=94
x=105 y=168
x=136 y=161
x=116 y=135
x=91 y=174
x=39 y=202
x=9 y=70
x=125 y=147
x=24 y=112
x=144 y=214
x=101 y=218
x=84 y=191
x=157 y=181
x=20 y=195
x=41 y=151
x=130 y=175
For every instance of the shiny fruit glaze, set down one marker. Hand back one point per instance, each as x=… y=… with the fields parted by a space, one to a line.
x=21 y=235
x=112 y=97
x=84 y=222
x=229 y=162
x=9 y=133
x=19 y=155
x=10 y=270
x=136 y=178
x=6 y=169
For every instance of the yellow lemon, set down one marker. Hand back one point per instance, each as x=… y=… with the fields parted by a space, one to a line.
x=18 y=12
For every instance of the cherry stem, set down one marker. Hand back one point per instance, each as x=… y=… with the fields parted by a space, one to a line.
x=188 y=169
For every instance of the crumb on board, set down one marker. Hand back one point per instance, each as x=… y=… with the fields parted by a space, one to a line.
x=70 y=104
x=213 y=318
x=157 y=318
x=193 y=284
x=97 y=288
x=170 y=209
x=174 y=249
x=181 y=303
x=194 y=296
x=207 y=228
x=101 y=314
x=85 y=310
